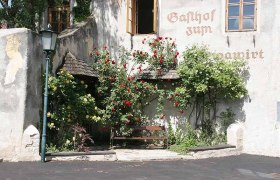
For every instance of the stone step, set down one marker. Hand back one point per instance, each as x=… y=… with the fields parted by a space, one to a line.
x=206 y=148
x=88 y=156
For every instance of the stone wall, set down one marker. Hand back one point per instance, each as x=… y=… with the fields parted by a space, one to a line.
x=79 y=40
x=20 y=89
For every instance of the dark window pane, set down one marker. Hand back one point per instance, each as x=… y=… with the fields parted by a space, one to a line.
x=248 y=10
x=248 y=23
x=234 y=1
x=233 y=24
x=248 y=0
x=233 y=11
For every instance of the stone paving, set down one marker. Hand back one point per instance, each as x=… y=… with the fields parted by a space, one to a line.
x=146 y=155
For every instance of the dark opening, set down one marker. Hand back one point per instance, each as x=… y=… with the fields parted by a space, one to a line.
x=145 y=17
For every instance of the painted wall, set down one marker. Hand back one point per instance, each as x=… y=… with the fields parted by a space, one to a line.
x=20 y=94
x=260 y=49
x=261 y=110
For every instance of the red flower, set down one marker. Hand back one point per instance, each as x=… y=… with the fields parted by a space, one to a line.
x=128 y=89
x=113 y=109
x=161 y=61
x=155 y=55
x=155 y=51
x=176 y=104
x=142 y=81
x=113 y=62
x=134 y=54
x=107 y=60
x=160 y=38
x=127 y=103
x=96 y=53
x=124 y=66
x=122 y=86
x=174 y=60
x=147 y=87
x=128 y=78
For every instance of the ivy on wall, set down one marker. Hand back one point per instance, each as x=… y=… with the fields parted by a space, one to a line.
x=82 y=10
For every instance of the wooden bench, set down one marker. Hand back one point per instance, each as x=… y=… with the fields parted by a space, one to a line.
x=142 y=133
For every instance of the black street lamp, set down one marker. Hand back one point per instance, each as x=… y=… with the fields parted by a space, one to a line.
x=48 y=42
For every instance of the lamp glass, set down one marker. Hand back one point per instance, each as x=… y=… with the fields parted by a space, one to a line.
x=54 y=37
x=48 y=40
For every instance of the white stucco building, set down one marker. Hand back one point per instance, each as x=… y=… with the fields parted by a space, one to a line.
x=235 y=28
x=248 y=29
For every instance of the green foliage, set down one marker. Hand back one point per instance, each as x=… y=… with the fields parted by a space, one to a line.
x=171 y=136
x=206 y=80
x=82 y=10
x=204 y=72
x=69 y=104
x=69 y=101
x=227 y=118
x=195 y=138
x=119 y=93
x=23 y=13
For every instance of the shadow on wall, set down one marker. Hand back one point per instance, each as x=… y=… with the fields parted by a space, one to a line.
x=107 y=17
x=79 y=40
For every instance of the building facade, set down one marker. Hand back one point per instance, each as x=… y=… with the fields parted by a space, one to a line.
x=247 y=29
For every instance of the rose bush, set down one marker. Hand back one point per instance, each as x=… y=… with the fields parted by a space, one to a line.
x=120 y=94
x=162 y=53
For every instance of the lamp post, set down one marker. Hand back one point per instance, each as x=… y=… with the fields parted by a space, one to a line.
x=48 y=42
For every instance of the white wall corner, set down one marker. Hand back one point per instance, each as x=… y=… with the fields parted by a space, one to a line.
x=235 y=135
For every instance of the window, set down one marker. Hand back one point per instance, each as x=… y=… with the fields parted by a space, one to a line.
x=141 y=16
x=59 y=17
x=241 y=15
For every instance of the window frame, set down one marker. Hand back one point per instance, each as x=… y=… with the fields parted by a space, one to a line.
x=241 y=4
x=131 y=17
x=59 y=21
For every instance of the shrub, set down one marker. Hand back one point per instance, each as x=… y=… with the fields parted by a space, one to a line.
x=69 y=104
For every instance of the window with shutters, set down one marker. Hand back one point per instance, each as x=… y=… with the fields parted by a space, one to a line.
x=141 y=16
x=241 y=15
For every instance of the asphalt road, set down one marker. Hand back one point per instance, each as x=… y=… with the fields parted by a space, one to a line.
x=243 y=167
